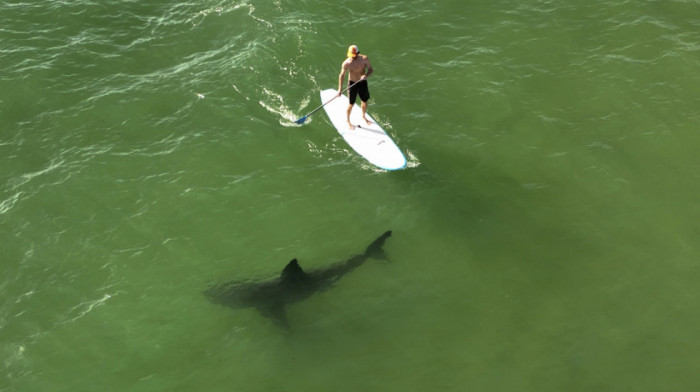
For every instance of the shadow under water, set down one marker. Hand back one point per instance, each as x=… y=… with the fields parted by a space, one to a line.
x=269 y=297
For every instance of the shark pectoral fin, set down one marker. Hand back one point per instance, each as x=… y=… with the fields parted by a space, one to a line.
x=380 y=255
x=275 y=313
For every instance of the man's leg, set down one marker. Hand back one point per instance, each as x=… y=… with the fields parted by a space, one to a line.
x=364 y=110
x=352 y=96
x=363 y=91
x=352 y=127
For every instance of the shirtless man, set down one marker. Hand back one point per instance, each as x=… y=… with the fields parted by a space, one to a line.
x=359 y=67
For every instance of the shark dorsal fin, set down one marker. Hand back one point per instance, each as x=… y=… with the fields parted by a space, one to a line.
x=292 y=271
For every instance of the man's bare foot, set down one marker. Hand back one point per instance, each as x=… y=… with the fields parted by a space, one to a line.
x=368 y=122
x=352 y=127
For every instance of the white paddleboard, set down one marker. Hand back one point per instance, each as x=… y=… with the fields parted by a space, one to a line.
x=370 y=141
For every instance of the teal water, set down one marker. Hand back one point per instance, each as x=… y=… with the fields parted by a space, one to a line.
x=545 y=232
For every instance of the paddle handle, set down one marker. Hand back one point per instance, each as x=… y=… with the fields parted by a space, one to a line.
x=329 y=101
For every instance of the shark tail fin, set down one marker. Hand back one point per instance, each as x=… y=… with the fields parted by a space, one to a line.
x=375 y=248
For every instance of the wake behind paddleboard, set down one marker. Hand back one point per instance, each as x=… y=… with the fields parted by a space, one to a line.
x=368 y=140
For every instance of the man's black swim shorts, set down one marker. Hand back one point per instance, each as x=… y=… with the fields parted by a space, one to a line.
x=361 y=88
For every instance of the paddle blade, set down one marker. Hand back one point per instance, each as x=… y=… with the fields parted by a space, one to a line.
x=301 y=120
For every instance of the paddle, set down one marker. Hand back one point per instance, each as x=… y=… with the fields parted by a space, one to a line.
x=303 y=119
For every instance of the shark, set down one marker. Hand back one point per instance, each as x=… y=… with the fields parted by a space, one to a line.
x=270 y=297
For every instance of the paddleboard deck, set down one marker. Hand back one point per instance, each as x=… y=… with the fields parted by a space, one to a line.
x=368 y=140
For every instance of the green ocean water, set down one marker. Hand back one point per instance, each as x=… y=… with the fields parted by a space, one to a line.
x=545 y=232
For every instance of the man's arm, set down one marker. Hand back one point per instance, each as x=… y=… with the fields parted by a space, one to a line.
x=368 y=65
x=343 y=70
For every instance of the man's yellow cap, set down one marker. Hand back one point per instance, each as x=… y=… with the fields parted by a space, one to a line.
x=353 y=51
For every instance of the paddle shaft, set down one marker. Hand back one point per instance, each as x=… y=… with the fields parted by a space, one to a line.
x=329 y=101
